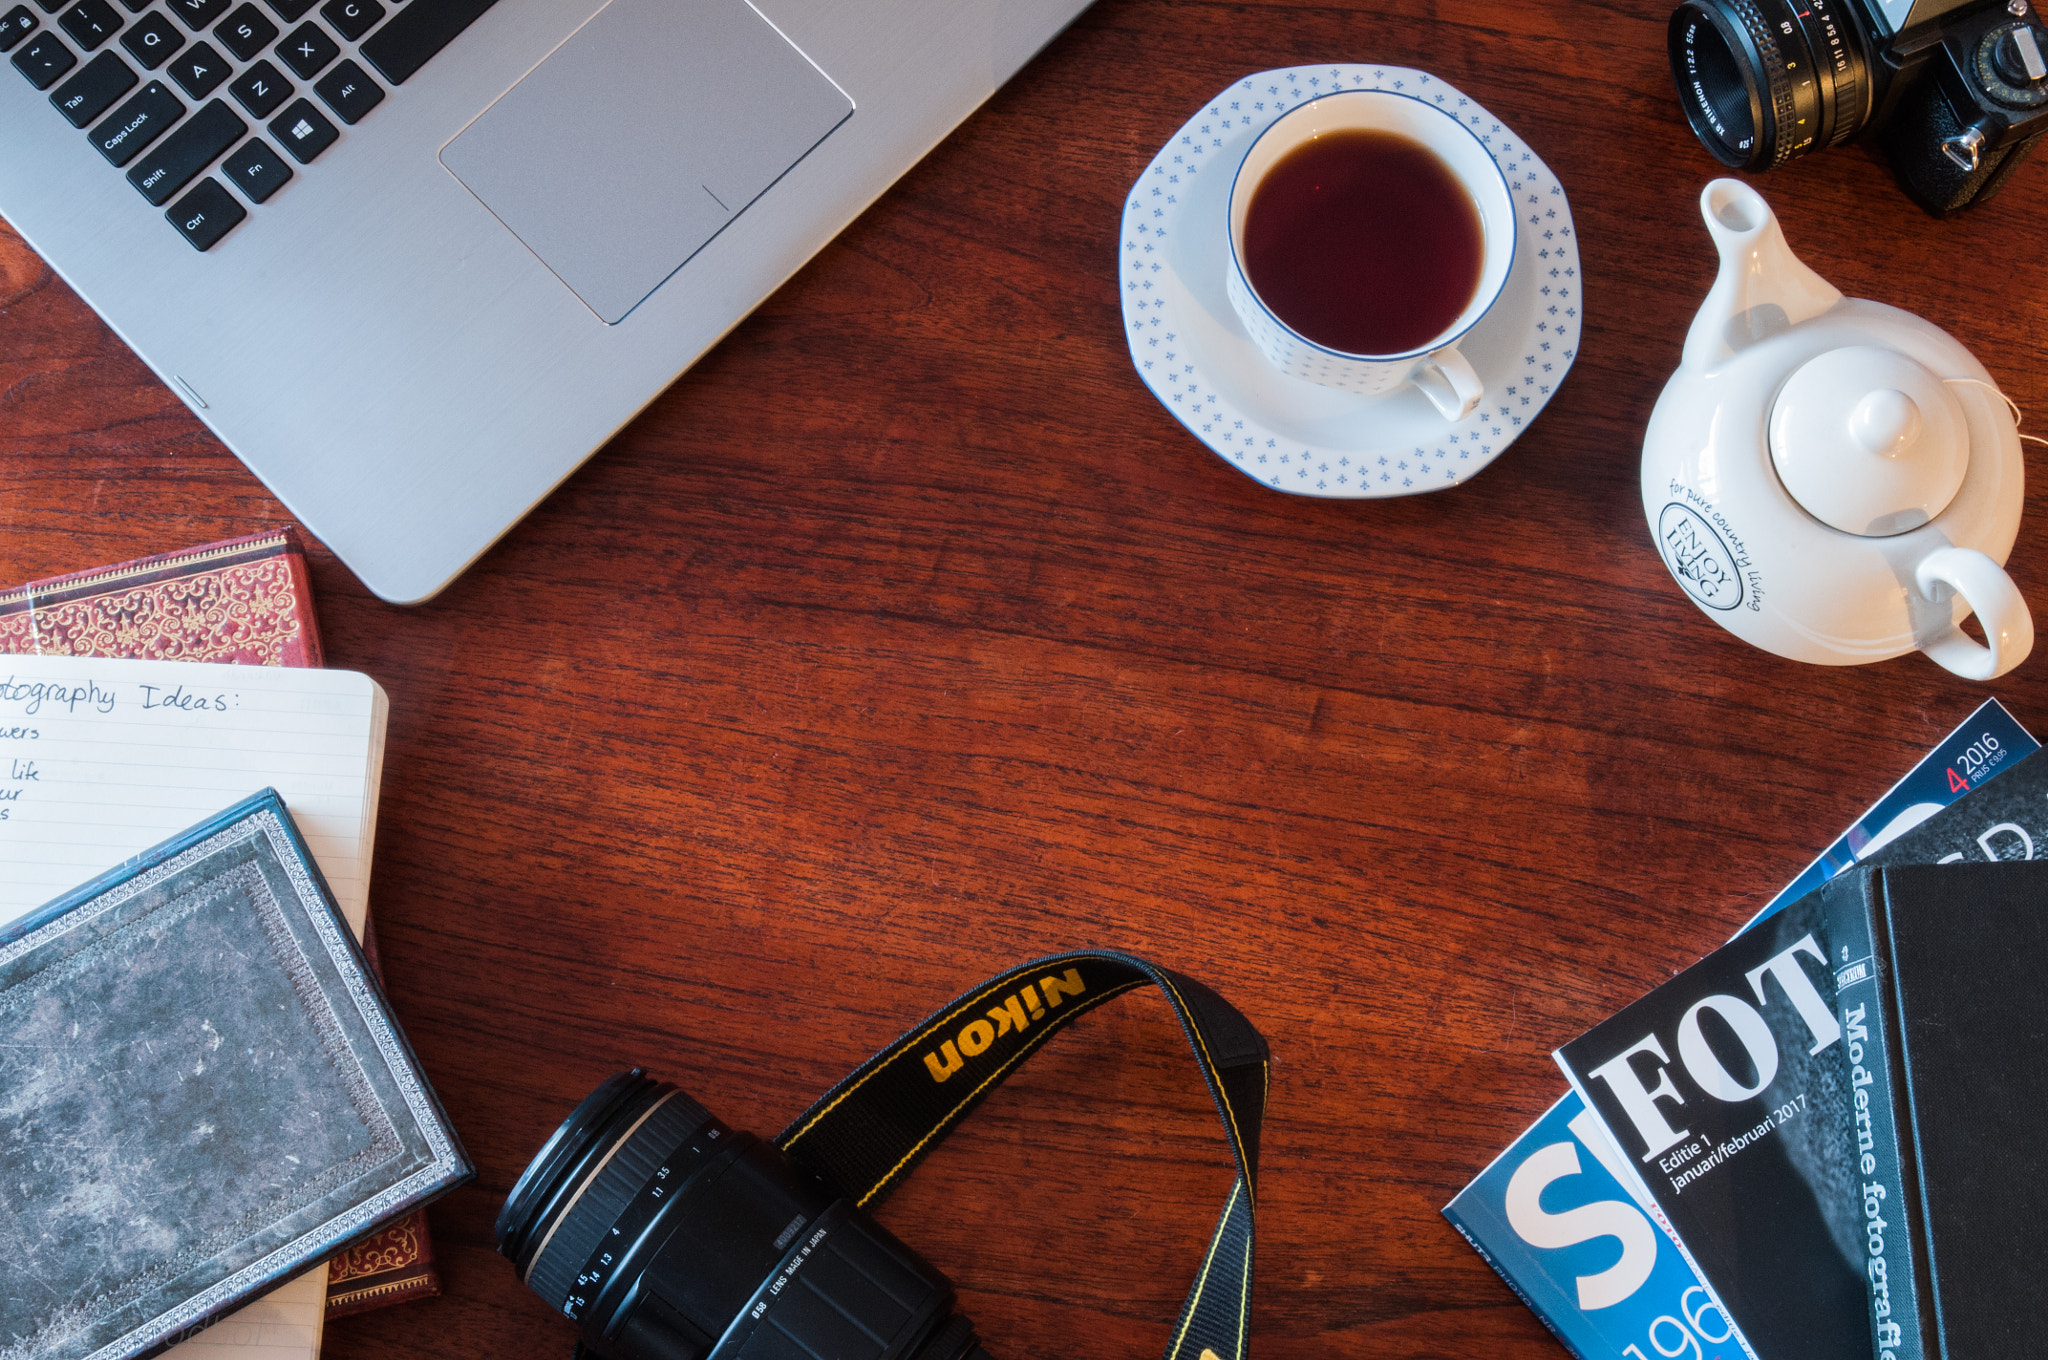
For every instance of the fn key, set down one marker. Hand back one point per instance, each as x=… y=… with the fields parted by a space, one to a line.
x=206 y=214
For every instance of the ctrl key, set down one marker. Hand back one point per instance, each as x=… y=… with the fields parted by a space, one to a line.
x=206 y=214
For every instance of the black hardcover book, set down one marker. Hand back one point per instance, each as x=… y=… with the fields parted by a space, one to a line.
x=202 y=1093
x=1938 y=984
x=1727 y=1093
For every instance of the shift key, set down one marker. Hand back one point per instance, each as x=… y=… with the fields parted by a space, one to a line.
x=186 y=152
x=137 y=123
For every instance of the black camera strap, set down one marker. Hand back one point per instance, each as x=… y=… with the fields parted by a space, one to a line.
x=867 y=1132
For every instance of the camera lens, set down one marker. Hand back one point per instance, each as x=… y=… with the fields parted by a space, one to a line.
x=1762 y=81
x=667 y=1236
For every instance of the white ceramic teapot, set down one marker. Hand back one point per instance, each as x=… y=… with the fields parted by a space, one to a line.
x=1832 y=479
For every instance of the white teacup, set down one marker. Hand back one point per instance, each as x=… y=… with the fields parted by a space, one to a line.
x=1436 y=367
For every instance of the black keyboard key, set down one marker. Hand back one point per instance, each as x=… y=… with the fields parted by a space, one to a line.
x=417 y=32
x=44 y=59
x=200 y=70
x=246 y=32
x=153 y=40
x=197 y=14
x=306 y=49
x=261 y=89
x=291 y=11
x=303 y=131
x=352 y=18
x=256 y=170
x=186 y=152
x=137 y=123
x=19 y=23
x=349 y=92
x=206 y=214
x=90 y=22
x=93 y=90
x=136 y=6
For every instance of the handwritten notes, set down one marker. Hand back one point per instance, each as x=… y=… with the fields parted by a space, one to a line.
x=101 y=759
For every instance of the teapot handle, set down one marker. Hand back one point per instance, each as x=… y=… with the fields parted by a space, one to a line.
x=1992 y=597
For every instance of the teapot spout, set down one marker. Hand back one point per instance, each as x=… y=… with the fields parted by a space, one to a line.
x=1762 y=289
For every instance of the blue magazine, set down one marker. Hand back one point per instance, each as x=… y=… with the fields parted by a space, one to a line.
x=1612 y=1281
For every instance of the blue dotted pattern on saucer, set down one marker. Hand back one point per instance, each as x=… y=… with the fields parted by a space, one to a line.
x=1548 y=245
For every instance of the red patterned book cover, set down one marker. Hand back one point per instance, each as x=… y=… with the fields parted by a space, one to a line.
x=244 y=600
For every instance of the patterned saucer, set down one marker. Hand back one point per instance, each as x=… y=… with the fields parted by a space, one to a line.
x=1194 y=354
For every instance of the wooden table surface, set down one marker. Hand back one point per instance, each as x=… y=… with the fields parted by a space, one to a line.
x=908 y=636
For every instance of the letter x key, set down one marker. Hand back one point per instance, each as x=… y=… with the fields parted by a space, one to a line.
x=307 y=50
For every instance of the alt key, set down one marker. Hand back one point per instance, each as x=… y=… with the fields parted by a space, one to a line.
x=206 y=214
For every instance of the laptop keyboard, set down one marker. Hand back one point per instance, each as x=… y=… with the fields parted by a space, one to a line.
x=166 y=101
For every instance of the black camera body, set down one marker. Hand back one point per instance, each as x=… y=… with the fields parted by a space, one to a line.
x=1955 y=90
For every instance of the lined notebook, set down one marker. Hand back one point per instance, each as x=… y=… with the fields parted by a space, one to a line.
x=102 y=759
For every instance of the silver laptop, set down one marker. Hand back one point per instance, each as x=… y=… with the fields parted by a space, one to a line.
x=414 y=260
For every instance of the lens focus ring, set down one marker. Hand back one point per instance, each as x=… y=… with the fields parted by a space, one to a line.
x=1762 y=81
x=636 y=1155
x=1780 y=130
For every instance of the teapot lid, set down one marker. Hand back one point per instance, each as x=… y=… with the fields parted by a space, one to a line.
x=1868 y=441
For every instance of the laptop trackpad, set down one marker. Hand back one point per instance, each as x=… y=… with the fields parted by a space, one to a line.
x=641 y=137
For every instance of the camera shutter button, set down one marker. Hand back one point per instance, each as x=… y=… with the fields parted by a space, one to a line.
x=1868 y=441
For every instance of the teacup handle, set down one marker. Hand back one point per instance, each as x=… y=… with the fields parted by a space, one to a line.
x=1446 y=378
x=1996 y=602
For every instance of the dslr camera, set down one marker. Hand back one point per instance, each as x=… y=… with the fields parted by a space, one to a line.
x=1956 y=90
x=667 y=1236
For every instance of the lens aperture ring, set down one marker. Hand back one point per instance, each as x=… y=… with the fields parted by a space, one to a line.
x=636 y=1153
x=1835 y=43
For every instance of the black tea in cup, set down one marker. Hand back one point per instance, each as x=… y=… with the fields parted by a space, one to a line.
x=1363 y=241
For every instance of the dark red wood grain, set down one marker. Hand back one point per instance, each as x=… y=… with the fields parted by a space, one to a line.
x=908 y=636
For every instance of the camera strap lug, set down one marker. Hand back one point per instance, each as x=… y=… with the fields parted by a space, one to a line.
x=1965 y=148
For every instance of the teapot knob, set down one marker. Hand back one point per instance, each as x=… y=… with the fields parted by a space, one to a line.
x=1868 y=441
x=1886 y=423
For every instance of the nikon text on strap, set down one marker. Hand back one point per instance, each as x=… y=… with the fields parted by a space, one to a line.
x=867 y=1132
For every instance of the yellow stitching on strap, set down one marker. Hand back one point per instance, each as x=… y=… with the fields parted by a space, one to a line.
x=1031 y=1046
x=1216 y=1074
x=1202 y=1280
x=918 y=1035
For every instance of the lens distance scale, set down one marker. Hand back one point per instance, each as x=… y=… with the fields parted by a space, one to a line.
x=615 y=1253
